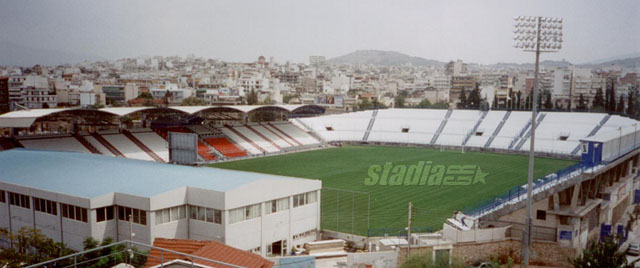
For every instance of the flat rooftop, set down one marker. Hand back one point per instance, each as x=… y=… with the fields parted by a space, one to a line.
x=90 y=175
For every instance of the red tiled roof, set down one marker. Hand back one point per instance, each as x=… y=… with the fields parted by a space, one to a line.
x=207 y=249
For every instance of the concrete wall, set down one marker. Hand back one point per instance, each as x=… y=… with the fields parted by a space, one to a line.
x=387 y=259
x=475 y=235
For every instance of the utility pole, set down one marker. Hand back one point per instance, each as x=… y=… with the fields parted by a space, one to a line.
x=409 y=232
x=535 y=34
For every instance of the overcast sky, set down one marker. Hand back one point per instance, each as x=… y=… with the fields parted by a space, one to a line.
x=474 y=31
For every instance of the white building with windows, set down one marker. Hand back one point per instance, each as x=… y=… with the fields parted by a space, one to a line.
x=71 y=196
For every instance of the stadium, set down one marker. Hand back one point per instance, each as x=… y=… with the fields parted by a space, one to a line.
x=458 y=172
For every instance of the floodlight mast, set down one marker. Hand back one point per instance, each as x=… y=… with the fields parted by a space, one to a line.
x=527 y=30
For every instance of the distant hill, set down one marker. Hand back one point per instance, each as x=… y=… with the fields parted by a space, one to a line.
x=547 y=63
x=385 y=58
x=12 y=54
x=628 y=63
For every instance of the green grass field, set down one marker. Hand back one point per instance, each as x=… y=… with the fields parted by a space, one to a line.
x=347 y=167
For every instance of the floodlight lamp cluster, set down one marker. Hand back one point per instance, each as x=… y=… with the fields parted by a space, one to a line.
x=533 y=31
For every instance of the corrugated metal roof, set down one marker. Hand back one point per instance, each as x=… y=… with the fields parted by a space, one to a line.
x=90 y=175
x=206 y=249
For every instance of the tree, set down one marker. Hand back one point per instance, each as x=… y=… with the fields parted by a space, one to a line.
x=474 y=100
x=611 y=96
x=462 y=104
x=601 y=254
x=547 y=102
x=29 y=246
x=494 y=106
x=145 y=95
x=424 y=103
x=519 y=100
x=620 y=108
x=598 y=100
x=286 y=98
x=365 y=104
x=581 y=103
x=252 y=98
x=399 y=101
x=193 y=101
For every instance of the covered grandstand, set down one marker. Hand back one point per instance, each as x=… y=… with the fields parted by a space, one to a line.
x=141 y=132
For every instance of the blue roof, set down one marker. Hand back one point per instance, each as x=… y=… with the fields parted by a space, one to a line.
x=90 y=175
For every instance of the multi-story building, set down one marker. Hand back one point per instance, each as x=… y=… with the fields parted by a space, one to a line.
x=38 y=93
x=15 y=89
x=121 y=197
x=4 y=95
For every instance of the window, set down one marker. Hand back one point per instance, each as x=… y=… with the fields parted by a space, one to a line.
x=104 y=214
x=479 y=133
x=206 y=214
x=3 y=198
x=252 y=211
x=541 y=215
x=138 y=216
x=236 y=215
x=244 y=213
x=74 y=212
x=45 y=206
x=303 y=199
x=405 y=130
x=171 y=214
x=329 y=128
x=304 y=234
x=274 y=206
x=19 y=200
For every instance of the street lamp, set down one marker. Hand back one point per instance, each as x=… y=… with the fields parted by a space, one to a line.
x=535 y=34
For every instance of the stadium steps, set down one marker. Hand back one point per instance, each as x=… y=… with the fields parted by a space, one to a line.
x=212 y=149
x=107 y=145
x=263 y=136
x=275 y=129
x=526 y=137
x=370 y=126
x=497 y=130
x=306 y=129
x=475 y=127
x=86 y=144
x=441 y=127
x=593 y=132
x=235 y=131
x=143 y=147
x=522 y=133
x=225 y=147
x=279 y=135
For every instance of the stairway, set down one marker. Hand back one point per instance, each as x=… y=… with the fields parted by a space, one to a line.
x=107 y=145
x=441 y=127
x=283 y=133
x=593 y=132
x=142 y=146
x=247 y=139
x=370 y=126
x=263 y=136
x=475 y=128
x=278 y=135
x=526 y=137
x=86 y=144
x=497 y=130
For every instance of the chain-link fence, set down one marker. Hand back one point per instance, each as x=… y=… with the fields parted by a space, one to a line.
x=345 y=211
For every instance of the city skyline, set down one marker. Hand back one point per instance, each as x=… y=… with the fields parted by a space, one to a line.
x=477 y=32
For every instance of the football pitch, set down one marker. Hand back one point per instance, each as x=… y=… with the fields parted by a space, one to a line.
x=449 y=181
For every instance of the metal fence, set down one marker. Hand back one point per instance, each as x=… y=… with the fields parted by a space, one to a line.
x=345 y=211
x=518 y=193
x=397 y=231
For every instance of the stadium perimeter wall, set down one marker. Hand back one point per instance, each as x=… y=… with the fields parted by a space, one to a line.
x=542 y=253
x=456 y=148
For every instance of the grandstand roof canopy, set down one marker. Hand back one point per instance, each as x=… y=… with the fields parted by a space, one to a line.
x=26 y=118
x=90 y=175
